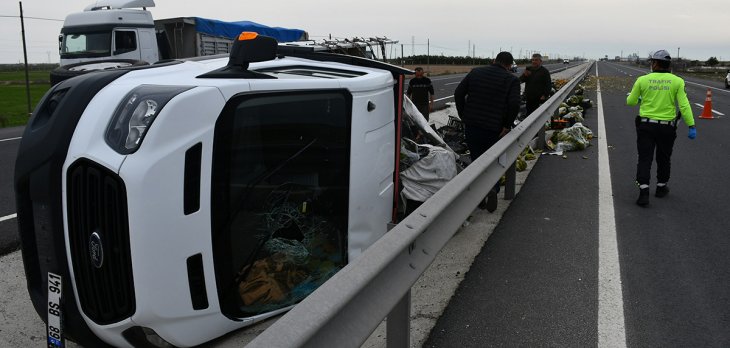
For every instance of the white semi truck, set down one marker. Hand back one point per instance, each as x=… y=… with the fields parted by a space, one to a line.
x=118 y=33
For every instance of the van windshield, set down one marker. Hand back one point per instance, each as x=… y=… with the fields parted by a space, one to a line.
x=280 y=194
x=85 y=45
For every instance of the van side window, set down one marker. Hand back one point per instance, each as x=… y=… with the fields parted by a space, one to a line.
x=125 y=41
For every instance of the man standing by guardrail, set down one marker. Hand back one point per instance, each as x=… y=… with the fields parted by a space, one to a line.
x=488 y=100
x=537 y=84
x=656 y=125
x=420 y=90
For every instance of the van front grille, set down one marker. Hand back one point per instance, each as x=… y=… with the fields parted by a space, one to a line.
x=99 y=240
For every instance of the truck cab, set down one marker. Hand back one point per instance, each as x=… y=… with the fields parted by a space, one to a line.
x=110 y=29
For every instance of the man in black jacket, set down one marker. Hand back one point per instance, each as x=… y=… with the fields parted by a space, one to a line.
x=420 y=90
x=537 y=84
x=488 y=100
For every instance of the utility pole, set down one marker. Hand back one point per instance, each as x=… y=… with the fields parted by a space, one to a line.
x=428 y=55
x=402 y=60
x=468 y=49
x=473 y=54
x=413 y=45
x=25 y=58
x=677 y=53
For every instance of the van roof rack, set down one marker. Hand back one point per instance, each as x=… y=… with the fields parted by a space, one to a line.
x=251 y=47
x=321 y=54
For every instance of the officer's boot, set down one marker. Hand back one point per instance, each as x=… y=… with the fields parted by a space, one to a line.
x=643 y=197
x=662 y=189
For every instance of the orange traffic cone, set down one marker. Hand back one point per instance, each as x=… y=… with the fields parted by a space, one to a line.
x=707 y=111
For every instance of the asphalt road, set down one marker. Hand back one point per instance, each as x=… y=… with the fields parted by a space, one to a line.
x=9 y=142
x=536 y=282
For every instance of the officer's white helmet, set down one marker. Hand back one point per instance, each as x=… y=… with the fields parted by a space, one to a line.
x=661 y=55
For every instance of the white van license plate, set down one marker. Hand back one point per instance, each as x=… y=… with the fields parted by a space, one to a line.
x=55 y=335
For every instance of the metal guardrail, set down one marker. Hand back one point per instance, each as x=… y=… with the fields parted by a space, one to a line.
x=345 y=310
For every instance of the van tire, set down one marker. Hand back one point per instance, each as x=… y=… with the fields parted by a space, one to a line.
x=68 y=71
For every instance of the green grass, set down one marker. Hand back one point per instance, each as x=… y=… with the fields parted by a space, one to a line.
x=14 y=105
x=19 y=76
x=14 y=102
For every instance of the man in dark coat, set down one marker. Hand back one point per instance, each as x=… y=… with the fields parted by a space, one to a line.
x=488 y=100
x=537 y=84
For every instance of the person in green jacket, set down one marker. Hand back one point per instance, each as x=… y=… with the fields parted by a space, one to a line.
x=656 y=126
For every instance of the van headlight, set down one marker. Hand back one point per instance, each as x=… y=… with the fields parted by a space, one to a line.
x=135 y=115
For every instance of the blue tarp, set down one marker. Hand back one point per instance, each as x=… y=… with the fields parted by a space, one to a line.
x=231 y=30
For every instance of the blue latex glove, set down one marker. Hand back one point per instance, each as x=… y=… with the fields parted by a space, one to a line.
x=692 y=133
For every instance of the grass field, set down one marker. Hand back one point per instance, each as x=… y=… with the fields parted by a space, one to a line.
x=19 y=76
x=13 y=103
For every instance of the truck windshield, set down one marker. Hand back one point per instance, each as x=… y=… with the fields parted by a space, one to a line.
x=85 y=45
x=280 y=197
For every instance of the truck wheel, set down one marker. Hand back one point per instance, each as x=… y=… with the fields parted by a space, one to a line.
x=68 y=71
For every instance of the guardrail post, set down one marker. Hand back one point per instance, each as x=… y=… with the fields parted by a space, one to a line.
x=398 y=324
x=541 y=139
x=510 y=181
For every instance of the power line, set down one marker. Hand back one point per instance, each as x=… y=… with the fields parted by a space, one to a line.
x=38 y=18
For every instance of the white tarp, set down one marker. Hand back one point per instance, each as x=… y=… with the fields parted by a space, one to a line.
x=429 y=174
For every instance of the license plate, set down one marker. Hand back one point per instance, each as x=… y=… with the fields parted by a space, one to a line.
x=55 y=335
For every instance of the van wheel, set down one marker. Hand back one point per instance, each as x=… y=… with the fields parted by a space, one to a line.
x=727 y=85
x=68 y=71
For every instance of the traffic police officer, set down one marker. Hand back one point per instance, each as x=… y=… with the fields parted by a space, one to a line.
x=656 y=126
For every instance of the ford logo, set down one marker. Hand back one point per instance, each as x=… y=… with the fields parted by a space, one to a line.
x=96 y=250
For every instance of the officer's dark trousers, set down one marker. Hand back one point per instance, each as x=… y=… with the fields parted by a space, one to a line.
x=479 y=141
x=650 y=138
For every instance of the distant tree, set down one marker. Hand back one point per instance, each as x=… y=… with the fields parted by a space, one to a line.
x=712 y=61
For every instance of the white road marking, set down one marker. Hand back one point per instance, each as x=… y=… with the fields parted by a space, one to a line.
x=713 y=110
x=9 y=139
x=451 y=83
x=611 y=325
x=9 y=217
x=440 y=99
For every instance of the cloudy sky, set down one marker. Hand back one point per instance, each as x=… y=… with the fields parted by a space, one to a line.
x=564 y=28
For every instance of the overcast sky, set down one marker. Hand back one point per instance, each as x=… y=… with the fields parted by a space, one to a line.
x=557 y=27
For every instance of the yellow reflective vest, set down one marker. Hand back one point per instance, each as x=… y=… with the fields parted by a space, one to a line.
x=659 y=93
